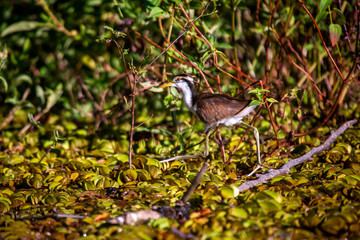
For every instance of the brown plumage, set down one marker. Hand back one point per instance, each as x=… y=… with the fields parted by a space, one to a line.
x=212 y=108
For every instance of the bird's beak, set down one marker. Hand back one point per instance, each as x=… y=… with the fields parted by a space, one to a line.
x=164 y=85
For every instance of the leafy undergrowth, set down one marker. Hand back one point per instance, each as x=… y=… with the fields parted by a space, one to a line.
x=88 y=72
x=88 y=176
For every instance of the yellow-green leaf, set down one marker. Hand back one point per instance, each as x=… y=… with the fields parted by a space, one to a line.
x=238 y=213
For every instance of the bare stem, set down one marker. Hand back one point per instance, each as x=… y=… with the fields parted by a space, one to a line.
x=196 y=182
x=285 y=169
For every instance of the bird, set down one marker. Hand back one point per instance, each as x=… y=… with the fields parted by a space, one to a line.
x=213 y=110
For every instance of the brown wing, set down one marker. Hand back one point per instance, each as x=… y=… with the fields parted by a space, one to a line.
x=214 y=107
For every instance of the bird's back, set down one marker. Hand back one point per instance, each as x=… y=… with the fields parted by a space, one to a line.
x=212 y=108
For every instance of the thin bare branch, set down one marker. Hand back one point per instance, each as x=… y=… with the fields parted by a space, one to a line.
x=196 y=182
x=285 y=169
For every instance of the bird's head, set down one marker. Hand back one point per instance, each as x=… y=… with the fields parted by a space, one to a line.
x=182 y=81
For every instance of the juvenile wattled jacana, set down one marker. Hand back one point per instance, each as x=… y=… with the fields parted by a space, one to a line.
x=213 y=110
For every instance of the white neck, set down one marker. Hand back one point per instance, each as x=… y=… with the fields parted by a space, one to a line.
x=188 y=97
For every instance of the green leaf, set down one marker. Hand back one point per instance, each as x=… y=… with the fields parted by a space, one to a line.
x=130 y=175
x=357 y=177
x=258 y=90
x=324 y=4
x=74 y=176
x=3 y=83
x=270 y=205
x=224 y=45
x=122 y=157
x=27 y=45
x=321 y=16
x=151 y=4
x=276 y=196
x=206 y=56
x=58 y=178
x=115 y=32
x=6 y=200
x=341 y=18
x=7 y=191
x=277 y=179
x=40 y=93
x=271 y=100
x=238 y=213
x=109 y=28
x=177 y=94
x=229 y=191
x=252 y=223
x=13 y=160
x=23 y=78
x=152 y=87
x=162 y=223
x=156 y=12
x=154 y=171
x=22 y=26
x=152 y=162
x=352 y=180
x=333 y=224
x=53 y=98
x=254 y=91
x=312 y=219
x=168 y=99
x=220 y=53
x=54 y=185
x=89 y=62
x=255 y=102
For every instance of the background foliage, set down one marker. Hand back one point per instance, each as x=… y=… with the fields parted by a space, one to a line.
x=78 y=93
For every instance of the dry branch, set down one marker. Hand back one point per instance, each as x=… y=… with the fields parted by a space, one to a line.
x=263 y=178
x=196 y=182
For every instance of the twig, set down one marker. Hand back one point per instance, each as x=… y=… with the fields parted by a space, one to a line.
x=59 y=27
x=133 y=96
x=285 y=169
x=55 y=215
x=196 y=182
x=144 y=121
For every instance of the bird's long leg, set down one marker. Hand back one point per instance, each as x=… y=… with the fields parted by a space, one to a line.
x=206 y=151
x=256 y=135
x=184 y=157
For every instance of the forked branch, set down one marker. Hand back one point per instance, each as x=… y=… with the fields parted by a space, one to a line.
x=264 y=178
